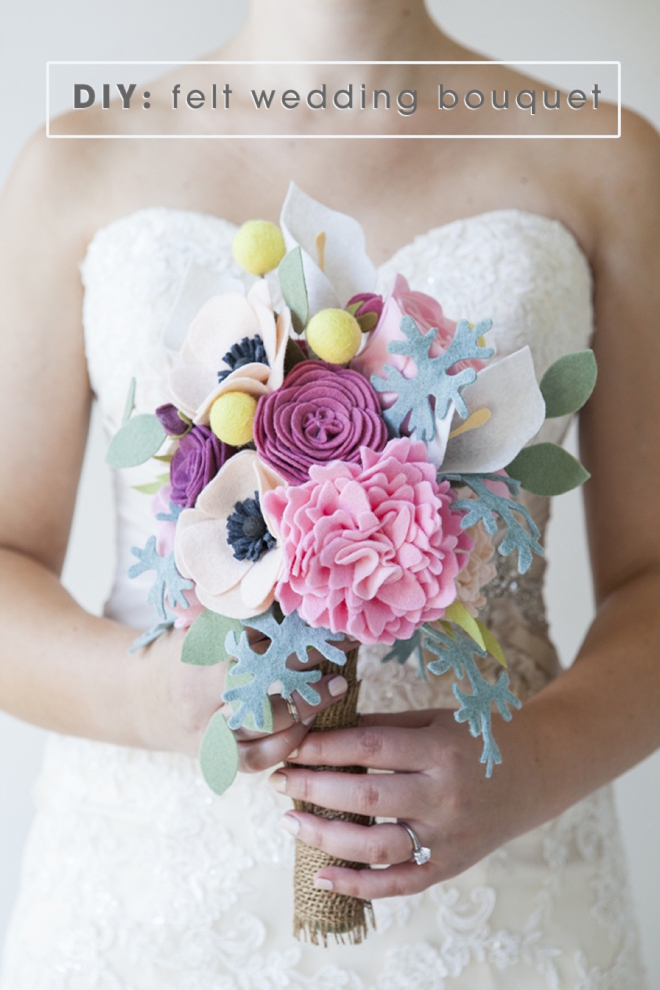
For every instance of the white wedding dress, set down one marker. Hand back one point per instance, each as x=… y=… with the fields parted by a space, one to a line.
x=137 y=877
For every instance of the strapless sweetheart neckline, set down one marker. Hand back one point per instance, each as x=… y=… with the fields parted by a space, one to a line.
x=430 y=232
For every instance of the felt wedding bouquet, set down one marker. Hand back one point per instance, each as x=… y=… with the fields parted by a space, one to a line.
x=338 y=462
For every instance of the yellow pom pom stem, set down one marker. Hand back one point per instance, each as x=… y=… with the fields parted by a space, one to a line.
x=258 y=246
x=334 y=335
x=232 y=416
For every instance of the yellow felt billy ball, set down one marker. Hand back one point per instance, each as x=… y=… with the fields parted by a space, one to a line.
x=232 y=416
x=258 y=246
x=335 y=335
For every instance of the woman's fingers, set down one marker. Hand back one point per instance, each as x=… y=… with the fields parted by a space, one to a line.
x=378 y=844
x=268 y=751
x=395 y=881
x=376 y=747
x=331 y=688
x=382 y=795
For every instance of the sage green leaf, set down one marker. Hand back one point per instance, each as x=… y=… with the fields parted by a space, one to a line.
x=547 y=469
x=204 y=644
x=152 y=487
x=240 y=680
x=136 y=442
x=568 y=383
x=130 y=403
x=218 y=755
x=294 y=288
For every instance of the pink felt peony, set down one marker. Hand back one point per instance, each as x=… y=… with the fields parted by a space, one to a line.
x=370 y=549
x=426 y=312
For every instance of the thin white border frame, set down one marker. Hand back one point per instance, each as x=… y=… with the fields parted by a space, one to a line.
x=363 y=137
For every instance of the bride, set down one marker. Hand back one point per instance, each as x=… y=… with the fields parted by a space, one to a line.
x=136 y=877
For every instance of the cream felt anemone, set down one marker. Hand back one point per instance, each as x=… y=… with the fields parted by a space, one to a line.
x=238 y=589
x=506 y=409
x=335 y=261
x=224 y=322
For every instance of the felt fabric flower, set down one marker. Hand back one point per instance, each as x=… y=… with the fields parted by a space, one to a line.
x=322 y=413
x=335 y=261
x=479 y=569
x=367 y=308
x=165 y=533
x=198 y=458
x=169 y=419
x=224 y=544
x=426 y=312
x=485 y=443
x=235 y=343
x=370 y=549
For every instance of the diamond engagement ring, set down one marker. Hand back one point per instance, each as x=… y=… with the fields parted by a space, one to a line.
x=293 y=711
x=420 y=854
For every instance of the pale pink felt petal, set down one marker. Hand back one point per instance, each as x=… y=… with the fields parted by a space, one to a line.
x=187 y=519
x=250 y=378
x=276 y=361
x=405 y=594
x=231 y=604
x=222 y=322
x=190 y=385
x=234 y=482
x=208 y=558
x=262 y=577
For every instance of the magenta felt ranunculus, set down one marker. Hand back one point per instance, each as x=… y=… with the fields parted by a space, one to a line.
x=198 y=458
x=370 y=549
x=321 y=413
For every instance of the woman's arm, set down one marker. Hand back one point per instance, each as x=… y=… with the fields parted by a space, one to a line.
x=600 y=717
x=60 y=667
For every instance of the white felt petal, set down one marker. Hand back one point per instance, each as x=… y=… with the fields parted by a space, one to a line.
x=231 y=603
x=207 y=557
x=222 y=322
x=260 y=580
x=347 y=265
x=198 y=286
x=234 y=482
x=282 y=334
x=190 y=385
x=321 y=293
x=510 y=391
x=251 y=378
x=436 y=449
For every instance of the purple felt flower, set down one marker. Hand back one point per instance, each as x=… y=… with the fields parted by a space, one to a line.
x=199 y=457
x=170 y=420
x=321 y=413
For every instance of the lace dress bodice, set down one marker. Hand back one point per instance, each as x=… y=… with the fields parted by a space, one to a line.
x=137 y=877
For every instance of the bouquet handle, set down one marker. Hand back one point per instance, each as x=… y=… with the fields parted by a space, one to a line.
x=320 y=914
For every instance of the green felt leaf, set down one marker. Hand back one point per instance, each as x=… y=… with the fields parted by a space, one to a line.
x=458 y=613
x=218 y=755
x=547 y=469
x=241 y=680
x=152 y=487
x=294 y=288
x=204 y=644
x=491 y=643
x=568 y=383
x=130 y=403
x=137 y=441
x=367 y=321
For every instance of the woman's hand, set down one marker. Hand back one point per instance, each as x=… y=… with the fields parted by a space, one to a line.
x=176 y=700
x=438 y=786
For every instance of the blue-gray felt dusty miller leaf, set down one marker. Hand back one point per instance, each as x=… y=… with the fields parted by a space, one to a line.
x=288 y=637
x=428 y=395
x=168 y=581
x=488 y=505
x=403 y=649
x=456 y=652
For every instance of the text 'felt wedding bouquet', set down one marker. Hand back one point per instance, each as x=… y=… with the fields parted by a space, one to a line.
x=338 y=463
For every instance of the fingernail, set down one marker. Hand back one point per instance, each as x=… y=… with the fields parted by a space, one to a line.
x=278 y=782
x=337 y=686
x=308 y=721
x=290 y=824
x=322 y=884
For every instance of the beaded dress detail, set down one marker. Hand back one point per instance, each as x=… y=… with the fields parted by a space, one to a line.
x=137 y=877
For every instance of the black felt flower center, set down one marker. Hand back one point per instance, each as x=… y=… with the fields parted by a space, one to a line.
x=247 y=532
x=249 y=350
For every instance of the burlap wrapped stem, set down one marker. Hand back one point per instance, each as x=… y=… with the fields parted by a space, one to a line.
x=320 y=914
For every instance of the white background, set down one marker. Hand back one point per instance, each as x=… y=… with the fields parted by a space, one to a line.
x=34 y=31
